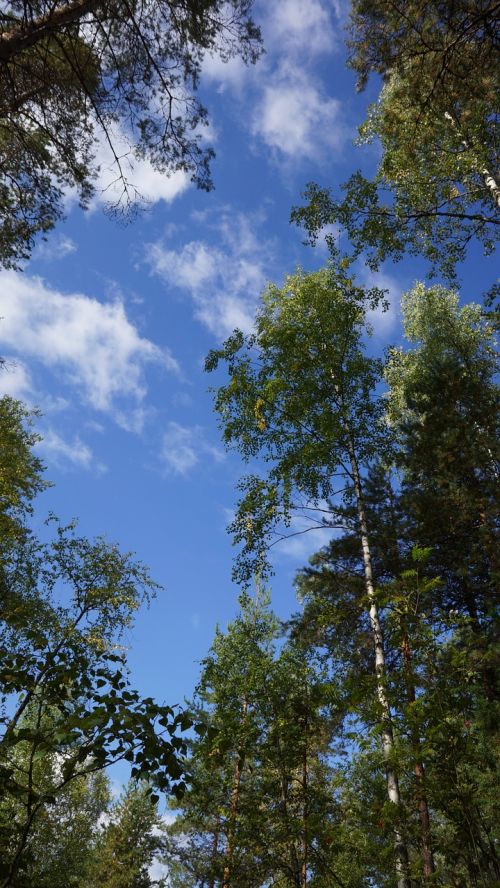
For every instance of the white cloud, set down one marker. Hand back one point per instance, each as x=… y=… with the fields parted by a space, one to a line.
x=145 y=184
x=158 y=871
x=62 y=452
x=296 y=119
x=305 y=536
x=283 y=102
x=183 y=447
x=15 y=378
x=232 y=74
x=55 y=247
x=224 y=282
x=299 y=26
x=383 y=322
x=95 y=345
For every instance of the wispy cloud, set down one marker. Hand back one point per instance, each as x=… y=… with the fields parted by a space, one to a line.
x=303 y=27
x=296 y=119
x=305 y=536
x=184 y=447
x=134 y=180
x=283 y=99
x=224 y=281
x=55 y=247
x=96 y=346
x=63 y=453
x=15 y=378
x=384 y=322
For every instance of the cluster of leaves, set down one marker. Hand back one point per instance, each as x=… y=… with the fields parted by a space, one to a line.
x=84 y=838
x=436 y=121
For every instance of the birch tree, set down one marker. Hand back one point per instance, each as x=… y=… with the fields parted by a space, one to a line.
x=65 y=693
x=436 y=187
x=302 y=395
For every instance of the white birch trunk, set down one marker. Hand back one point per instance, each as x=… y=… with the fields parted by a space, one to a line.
x=488 y=178
x=492 y=186
x=400 y=849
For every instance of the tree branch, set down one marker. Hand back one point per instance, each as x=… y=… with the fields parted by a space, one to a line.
x=15 y=40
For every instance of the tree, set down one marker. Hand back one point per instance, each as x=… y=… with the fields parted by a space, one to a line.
x=69 y=602
x=62 y=842
x=223 y=814
x=215 y=839
x=433 y=547
x=259 y=808
x=65 y=693
x=302 y=393
x=437 y=122
x=333 y=621
x=20 y=470
x=444 y=402
x=130 y=843
x=444 y=406
x=295 y=775
x=71 y=72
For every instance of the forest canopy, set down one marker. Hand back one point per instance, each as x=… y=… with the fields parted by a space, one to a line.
x=352 y=741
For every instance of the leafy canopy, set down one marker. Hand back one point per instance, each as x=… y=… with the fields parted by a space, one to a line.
x=72 y=73
x=436 y=120
x=301 y=392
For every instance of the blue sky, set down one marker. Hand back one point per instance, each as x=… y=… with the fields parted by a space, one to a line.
x=107 y=328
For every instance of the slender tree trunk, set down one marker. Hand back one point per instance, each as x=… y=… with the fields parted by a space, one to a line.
x=418 y=768
x=294 y=862
x=400 y=848
x=235 y=797
x=215 y=852
x=492 y=186
x=305 y=811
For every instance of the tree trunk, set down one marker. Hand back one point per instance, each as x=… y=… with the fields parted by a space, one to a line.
x=305 y=812
x=488 y=178
x=418 y=768
x=400 y=848
x=215 y=851
x=294 y=862
x=492 y=186
x=233 y=809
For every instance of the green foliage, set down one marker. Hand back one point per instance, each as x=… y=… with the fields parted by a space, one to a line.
x=301 y=390
x=436 y=121
x=72 y=73
x=287 y=757
x=130 y=843
x=61 y=843
x=260 y=806
x=20 y=470
x=68 y=708
x=444 y=403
